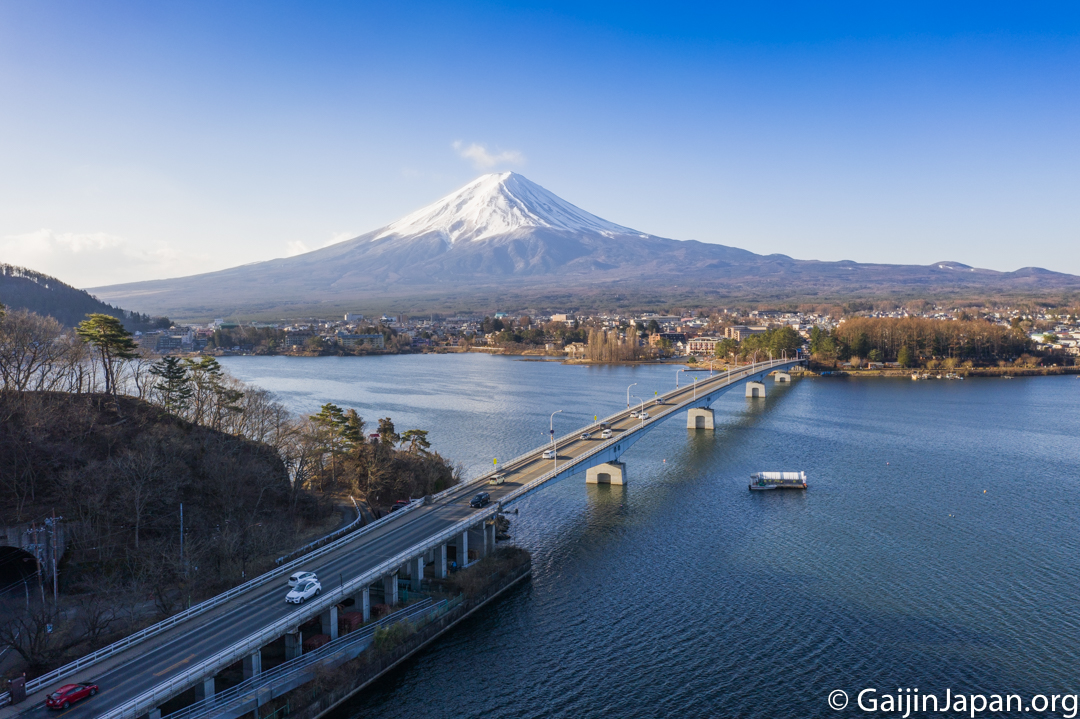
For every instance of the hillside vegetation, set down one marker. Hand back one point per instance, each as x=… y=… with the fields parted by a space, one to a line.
x=114 y=443
x=25 y=289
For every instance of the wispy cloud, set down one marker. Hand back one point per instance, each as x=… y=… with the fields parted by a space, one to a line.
x=299 y=247
x=296 y=247
x=94 y=258
x=482 y=159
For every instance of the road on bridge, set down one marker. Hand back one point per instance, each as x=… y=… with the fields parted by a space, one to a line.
x=146 y=665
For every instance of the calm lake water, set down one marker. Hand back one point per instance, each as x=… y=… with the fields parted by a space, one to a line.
x=937 y=545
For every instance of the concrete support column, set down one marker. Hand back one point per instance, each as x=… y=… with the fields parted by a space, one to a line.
x=782 y=377
x=204 y=690
x=154 y=714
x=253 y=665
x=364 y=600
x=416 y=570
x=755 y=389
x=390 y=595
x=610 y=473
x=440 y=561
x=462 y=544
x=489 y=536
x=700 y=418
x=294 y=645
x=477 y=541
x=329 y=622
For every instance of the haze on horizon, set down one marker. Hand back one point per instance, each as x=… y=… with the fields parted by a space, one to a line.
x=145 y=142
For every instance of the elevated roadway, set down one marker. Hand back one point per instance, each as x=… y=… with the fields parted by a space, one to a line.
x=136 y=680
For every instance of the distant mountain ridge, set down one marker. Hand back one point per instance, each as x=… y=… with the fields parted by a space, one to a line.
x=21 y=288
x=502 y=239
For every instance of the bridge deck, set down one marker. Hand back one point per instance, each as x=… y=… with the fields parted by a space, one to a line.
x=168 y=656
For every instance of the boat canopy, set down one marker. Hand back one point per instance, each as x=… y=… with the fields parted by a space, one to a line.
x=779 y=475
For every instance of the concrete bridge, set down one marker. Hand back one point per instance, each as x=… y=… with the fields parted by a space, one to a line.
x=138 y=674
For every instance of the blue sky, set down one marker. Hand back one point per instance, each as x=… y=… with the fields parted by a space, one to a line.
x=144 y=140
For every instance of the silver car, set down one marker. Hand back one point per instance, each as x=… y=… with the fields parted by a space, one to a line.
x=299 y=577
x=304 y=591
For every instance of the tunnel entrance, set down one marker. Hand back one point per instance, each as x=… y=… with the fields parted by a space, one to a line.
x=15 y=565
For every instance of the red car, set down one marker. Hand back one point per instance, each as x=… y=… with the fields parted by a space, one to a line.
x=68 y=694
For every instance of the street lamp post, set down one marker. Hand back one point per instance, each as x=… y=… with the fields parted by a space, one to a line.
x=628 y=395
x=551 y=430
x=551 y=423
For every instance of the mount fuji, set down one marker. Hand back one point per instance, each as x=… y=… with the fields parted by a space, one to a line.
x=502 y=239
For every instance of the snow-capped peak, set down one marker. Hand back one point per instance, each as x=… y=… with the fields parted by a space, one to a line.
x=497 y=204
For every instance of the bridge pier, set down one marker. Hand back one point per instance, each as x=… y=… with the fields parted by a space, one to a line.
x=440 y=561
x=390 y=595
x=700 y=418
x=364 y=599
x=154 y=714
x=781 y=377
x=608 y=473
x=489 y=535
x=204 y=690
x=253 y=665
x=478 y=540
x=461 y=549
x=416 y=572
x=755 y=389
x=294 y=645
x=329 y=622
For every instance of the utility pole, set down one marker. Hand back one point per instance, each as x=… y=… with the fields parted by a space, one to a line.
x=182 y=539
x=52 y=549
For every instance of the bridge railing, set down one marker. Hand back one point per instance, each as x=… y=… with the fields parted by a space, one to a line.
x=527 y=488
x=235 y=695
x=737 y=375
x=328 y=538
x=509 y=465
x=369 y=576
x=131 y=640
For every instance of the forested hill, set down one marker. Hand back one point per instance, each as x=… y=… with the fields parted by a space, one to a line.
x=21 y=288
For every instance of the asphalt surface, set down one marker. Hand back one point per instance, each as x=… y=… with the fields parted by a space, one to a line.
x=146 y=665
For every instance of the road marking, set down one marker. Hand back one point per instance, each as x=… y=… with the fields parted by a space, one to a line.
x=174 y=666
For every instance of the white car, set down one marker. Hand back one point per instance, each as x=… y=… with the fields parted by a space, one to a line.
x=643 y=415
x=634 y=414
x=549 y=454
x=300 y=577
x=606 y=434
x=302 y=592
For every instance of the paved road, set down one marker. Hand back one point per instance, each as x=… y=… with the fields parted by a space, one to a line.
x=146 y=665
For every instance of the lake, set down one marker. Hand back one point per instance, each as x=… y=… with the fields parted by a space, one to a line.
x=936 y=546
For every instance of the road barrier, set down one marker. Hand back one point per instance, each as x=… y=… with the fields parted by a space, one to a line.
x=150 y=700
x=127 y=642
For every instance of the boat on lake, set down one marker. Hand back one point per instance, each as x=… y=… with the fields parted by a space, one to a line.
x=761 y=481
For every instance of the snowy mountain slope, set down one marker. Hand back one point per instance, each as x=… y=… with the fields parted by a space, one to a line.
x=503 y=236
x=498 y=204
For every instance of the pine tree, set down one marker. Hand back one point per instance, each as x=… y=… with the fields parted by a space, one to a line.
x=113 y=343
x=173 y=385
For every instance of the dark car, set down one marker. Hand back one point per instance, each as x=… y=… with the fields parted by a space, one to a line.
x=68 y=694
x=480 y=500
x=605 y=425
x=400 y=504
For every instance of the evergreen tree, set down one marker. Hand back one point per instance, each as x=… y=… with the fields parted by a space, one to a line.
x=387 y=435
x=417 y=440
x=352 y=430
x=173 y=385
x=113 y=343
